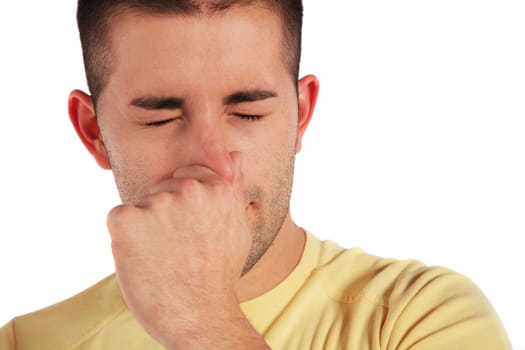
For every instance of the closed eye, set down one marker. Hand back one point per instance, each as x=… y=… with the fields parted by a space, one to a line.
x=251 y=117
x=160 y=122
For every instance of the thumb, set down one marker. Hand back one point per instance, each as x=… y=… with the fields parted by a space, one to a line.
x=238 y=176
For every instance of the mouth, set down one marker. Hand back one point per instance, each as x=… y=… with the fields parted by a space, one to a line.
x=253 y=197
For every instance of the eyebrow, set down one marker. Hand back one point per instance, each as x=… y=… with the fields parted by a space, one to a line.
x=248 y=96
x=156 y=103
x=159 y=103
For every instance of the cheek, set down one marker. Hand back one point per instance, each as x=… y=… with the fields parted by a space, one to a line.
x=269 y=159
x=138 y=165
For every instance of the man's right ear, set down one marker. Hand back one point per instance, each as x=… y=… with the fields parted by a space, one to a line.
x=84 y=119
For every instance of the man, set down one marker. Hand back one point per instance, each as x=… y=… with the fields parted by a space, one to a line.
x=197 y=108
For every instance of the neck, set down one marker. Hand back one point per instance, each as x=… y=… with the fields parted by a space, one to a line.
x=276 y=264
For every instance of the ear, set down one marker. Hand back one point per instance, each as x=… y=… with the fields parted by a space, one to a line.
x=308 y=89
x=83 y=116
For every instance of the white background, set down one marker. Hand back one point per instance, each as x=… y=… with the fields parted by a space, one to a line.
x=416 y=150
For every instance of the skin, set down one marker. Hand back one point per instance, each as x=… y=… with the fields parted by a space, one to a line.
x=205 y=189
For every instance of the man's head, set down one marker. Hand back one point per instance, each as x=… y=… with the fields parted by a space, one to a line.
x=189 y=89
x=94 y=18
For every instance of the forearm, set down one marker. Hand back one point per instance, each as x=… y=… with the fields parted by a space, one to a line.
x=226 y=331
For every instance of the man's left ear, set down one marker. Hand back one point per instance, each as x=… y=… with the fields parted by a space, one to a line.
x=308 y=89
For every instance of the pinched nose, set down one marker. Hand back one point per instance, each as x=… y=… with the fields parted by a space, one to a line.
x=207 y=151
x=206 y=174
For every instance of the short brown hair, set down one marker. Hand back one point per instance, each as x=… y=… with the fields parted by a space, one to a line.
x=93 y=17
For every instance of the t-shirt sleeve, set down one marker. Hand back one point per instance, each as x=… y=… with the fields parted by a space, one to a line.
x=434 y=308
x=7 y=337
x=388 y=304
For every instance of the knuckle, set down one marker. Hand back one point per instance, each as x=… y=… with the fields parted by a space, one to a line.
x=119 y=216
x=188 y=184
x=162 y=198
x=119 y=220
x=221 y=188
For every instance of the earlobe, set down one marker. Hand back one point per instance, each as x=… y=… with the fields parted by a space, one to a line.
x=83 y=117
x=308 y=89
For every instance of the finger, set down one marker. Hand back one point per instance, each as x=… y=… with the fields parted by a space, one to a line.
x=182 y=176
x=238 y=175
x=198 y=172
x=119 y=219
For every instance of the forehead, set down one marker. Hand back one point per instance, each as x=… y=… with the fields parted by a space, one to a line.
x=244 y=43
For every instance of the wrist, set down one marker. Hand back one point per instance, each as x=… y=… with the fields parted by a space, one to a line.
x=228 y=329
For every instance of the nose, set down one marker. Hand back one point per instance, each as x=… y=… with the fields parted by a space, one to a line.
x=207 y=147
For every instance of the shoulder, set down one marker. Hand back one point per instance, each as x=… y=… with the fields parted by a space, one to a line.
x=410 y=303
x=69 y=322
x=362 y=274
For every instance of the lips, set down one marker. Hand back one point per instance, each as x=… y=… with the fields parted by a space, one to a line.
x=253 y=196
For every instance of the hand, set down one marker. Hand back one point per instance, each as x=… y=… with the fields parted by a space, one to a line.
x=179 y=253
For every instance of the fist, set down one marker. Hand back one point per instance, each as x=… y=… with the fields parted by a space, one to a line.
x=180 y=250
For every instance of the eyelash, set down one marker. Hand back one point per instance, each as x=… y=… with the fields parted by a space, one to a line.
x=248 y=117
x=159 y=122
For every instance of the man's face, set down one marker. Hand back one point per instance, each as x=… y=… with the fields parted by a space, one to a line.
x=189 y=90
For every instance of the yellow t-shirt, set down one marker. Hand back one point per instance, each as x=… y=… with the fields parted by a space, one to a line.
x=334 y=299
